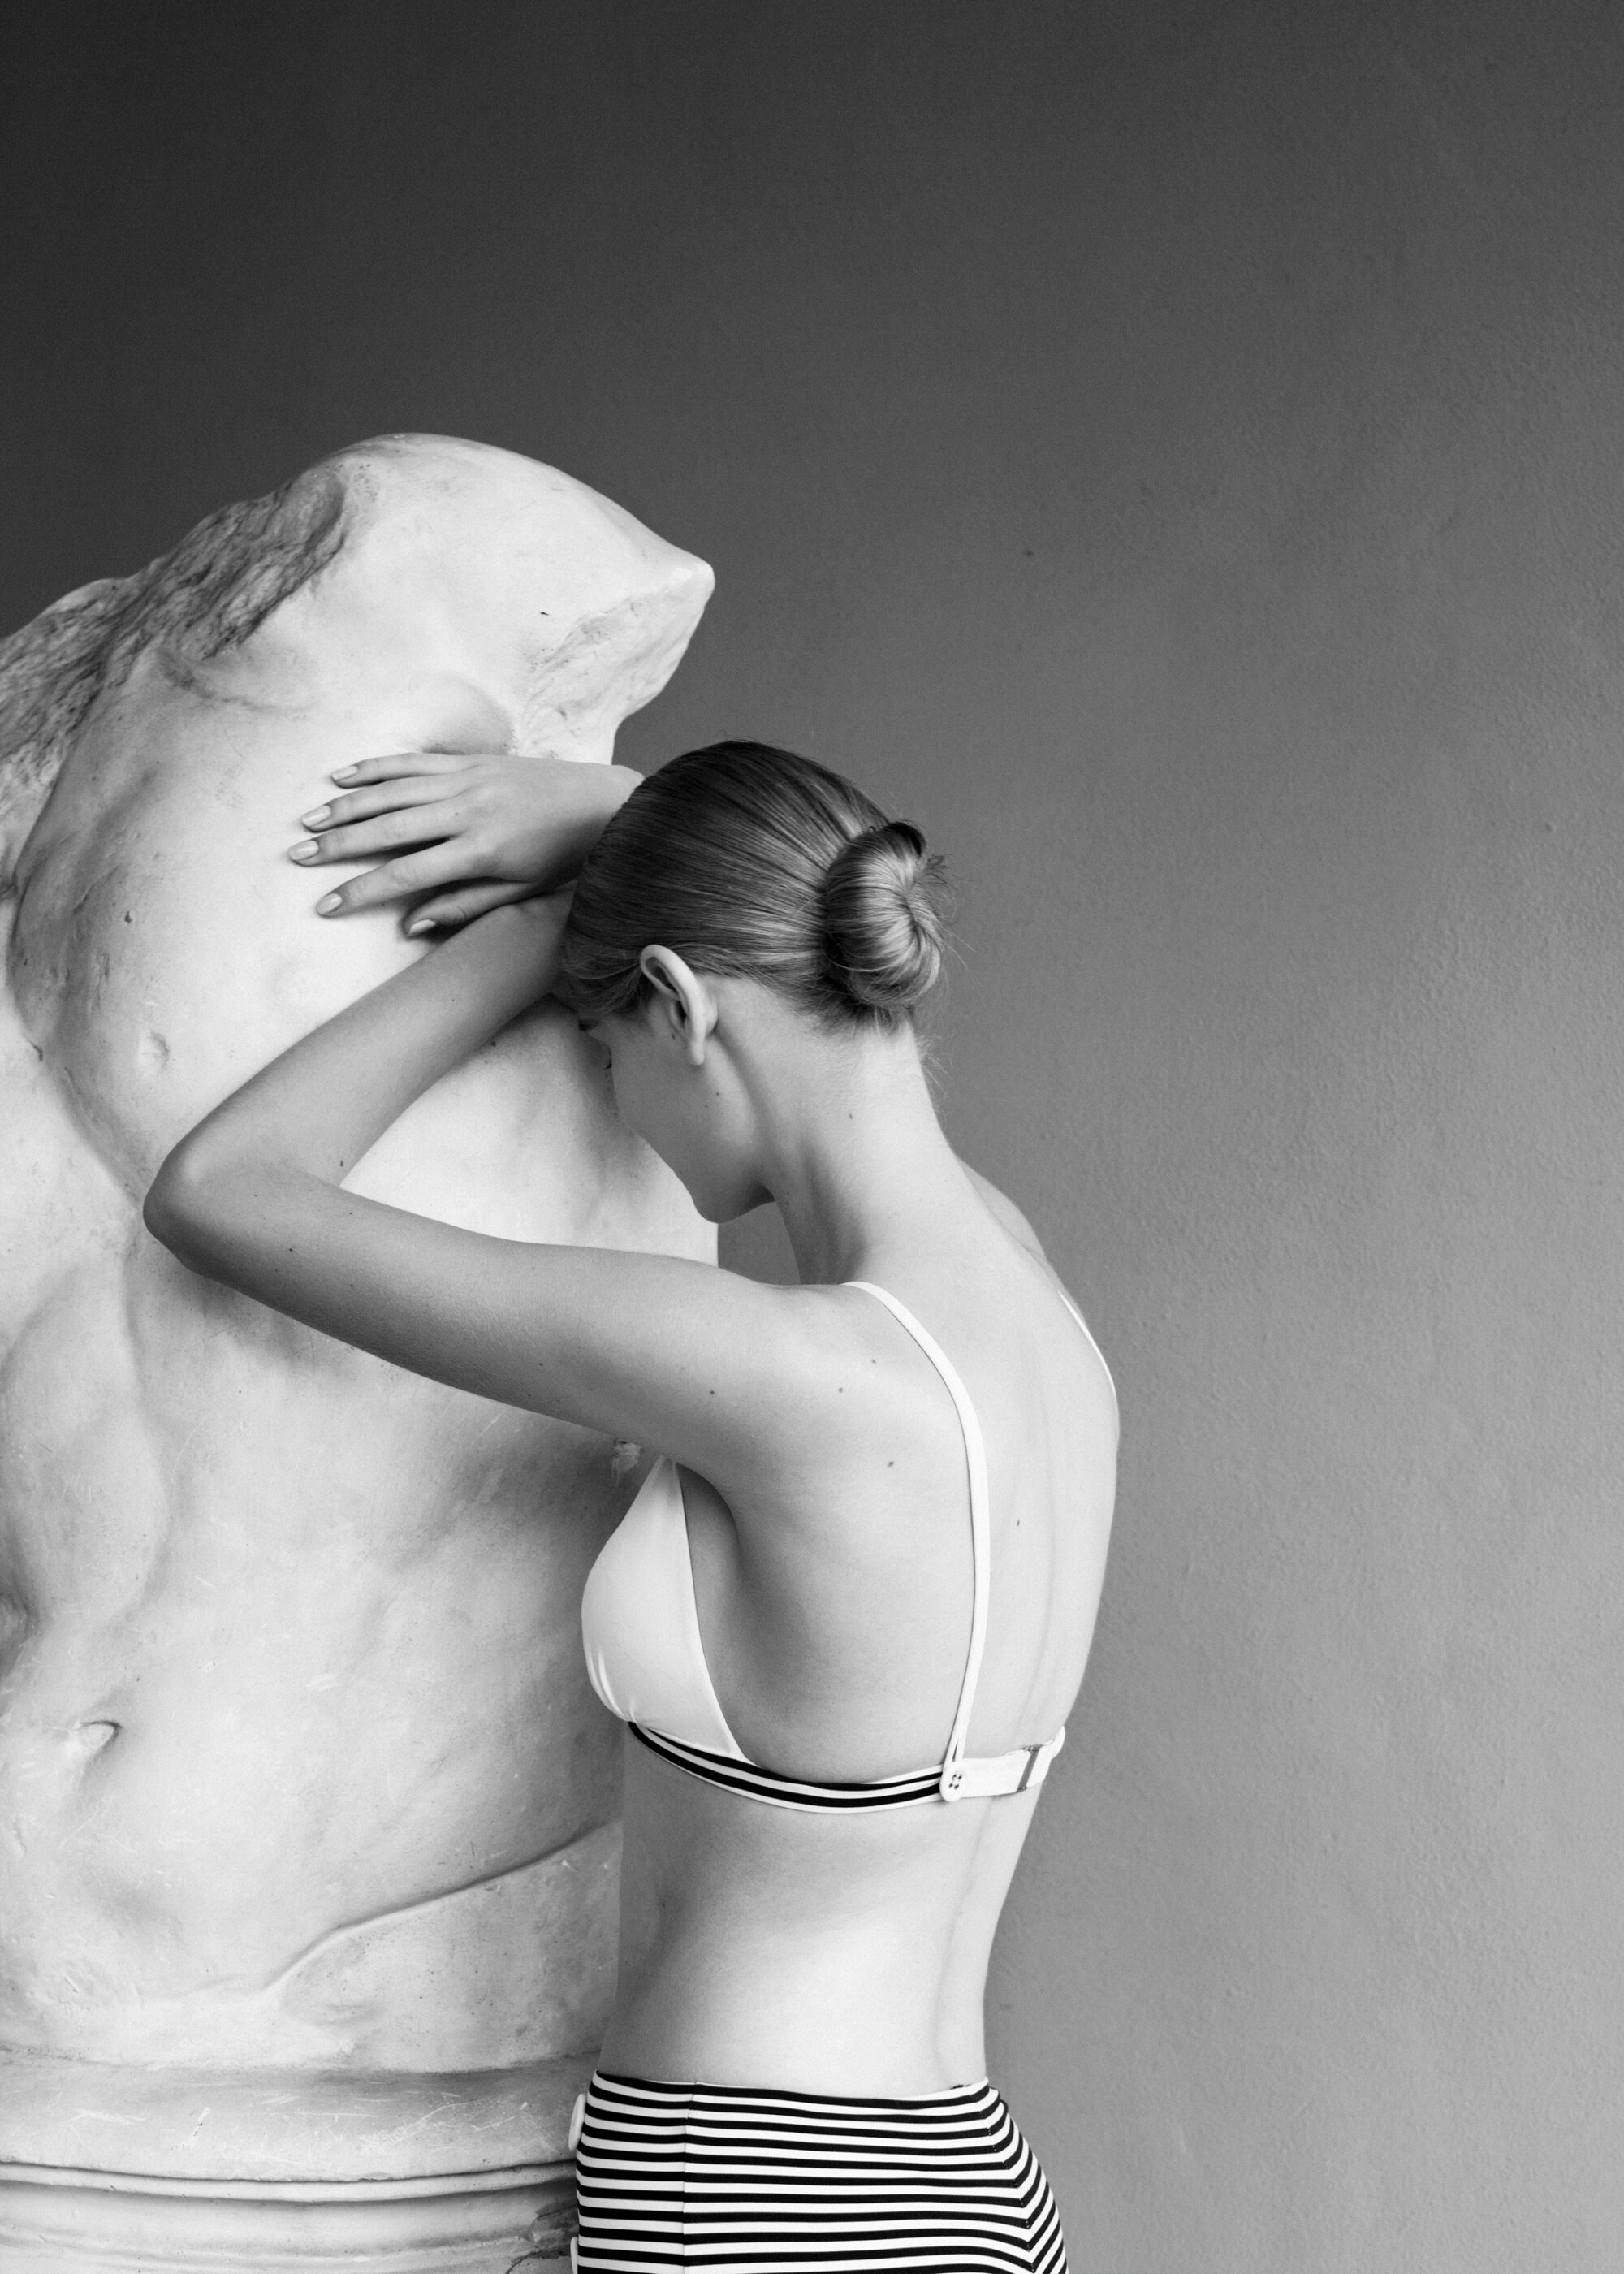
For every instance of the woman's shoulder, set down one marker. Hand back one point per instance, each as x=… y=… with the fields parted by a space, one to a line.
x=1011 y=1219
x=1003 y=1212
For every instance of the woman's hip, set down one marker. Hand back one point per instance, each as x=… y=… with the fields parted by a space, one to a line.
x=726 y=2176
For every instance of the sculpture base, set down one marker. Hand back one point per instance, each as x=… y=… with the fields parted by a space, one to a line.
x=58 y=2221
x=106 y=2170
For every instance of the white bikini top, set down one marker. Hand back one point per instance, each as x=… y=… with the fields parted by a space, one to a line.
x=640 y=1626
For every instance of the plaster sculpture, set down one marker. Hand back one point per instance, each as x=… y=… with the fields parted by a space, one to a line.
x=308 y=1839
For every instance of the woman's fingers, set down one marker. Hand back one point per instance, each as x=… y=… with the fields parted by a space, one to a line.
x=384 y=833
x=450 y=911
x=399 y=764
x=436 y=865
x=362 y=804
x=476 y=821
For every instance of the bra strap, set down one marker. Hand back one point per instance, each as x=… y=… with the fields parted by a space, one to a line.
x=952 y=1782
x=1094 y=1347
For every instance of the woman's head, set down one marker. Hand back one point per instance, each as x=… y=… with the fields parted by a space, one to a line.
x=751 y=862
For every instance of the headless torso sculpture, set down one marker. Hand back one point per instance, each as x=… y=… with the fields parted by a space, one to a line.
x=307 y=1812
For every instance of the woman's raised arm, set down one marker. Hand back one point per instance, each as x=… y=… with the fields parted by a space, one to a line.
x=673 y=1353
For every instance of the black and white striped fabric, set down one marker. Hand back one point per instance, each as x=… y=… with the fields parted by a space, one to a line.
x=789 y=1792
x=768 y=2182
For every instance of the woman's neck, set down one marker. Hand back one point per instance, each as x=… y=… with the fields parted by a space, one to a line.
x=852 y=1152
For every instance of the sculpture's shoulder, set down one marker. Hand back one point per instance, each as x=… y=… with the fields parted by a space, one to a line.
x=206 y=597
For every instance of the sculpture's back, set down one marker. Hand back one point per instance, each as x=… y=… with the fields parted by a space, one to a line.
x=307 y=1873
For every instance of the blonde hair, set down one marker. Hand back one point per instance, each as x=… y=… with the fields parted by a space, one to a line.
x=751 y=861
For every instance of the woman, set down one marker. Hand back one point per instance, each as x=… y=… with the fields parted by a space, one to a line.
x=851 y=1605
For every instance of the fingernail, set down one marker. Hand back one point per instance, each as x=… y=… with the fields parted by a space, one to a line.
x=333 y=901
x=307 y=851
x=343 y=773
x=314 y=820
x=419 y=925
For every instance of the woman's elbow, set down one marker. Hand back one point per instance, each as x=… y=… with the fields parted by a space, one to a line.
x=183 y=1205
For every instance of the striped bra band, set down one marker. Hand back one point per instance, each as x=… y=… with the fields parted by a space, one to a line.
x=955 y=1780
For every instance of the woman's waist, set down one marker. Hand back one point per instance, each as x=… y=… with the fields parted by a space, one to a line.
x=811 y=1989
x=822 y=1924
x=741 y=2024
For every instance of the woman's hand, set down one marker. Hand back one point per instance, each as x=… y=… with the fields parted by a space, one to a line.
x=484 y=829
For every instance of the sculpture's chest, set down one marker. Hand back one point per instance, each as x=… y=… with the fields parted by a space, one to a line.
x=166 y=948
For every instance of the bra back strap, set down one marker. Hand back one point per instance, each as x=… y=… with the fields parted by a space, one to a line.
x=955 y=1771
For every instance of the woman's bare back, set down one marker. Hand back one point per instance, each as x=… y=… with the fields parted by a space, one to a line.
x=762 y=1946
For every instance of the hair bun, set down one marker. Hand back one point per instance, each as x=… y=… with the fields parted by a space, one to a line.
x=753 y=863
x=884 y=932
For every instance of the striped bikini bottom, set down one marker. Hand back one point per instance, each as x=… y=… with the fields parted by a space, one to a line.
x=723 y=2176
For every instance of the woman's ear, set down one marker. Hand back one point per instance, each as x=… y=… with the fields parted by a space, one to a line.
x=687 y=1002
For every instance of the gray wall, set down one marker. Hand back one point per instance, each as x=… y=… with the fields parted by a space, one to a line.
x=1175 y=453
